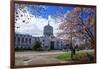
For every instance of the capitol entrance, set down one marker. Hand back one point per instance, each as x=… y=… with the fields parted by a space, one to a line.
x=52 y=45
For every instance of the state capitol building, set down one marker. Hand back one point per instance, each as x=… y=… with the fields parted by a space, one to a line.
x=48 y=40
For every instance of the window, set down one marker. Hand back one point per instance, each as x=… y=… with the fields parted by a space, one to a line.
x=22 y=40
x=29 y=40
x=43 y=40
x=18 y=39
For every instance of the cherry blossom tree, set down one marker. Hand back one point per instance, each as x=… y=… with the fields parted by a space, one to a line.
x=79 y=23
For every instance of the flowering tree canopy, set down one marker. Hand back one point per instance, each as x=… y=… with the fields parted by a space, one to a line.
x=79 y=23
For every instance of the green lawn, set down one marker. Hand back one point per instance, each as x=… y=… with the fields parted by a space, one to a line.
x=80 y=56
x=64 y=56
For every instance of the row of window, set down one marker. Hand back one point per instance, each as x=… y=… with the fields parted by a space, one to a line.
x=23 y=40
x=22 y=47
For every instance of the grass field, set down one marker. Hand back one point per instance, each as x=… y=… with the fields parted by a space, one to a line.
x=79 y=56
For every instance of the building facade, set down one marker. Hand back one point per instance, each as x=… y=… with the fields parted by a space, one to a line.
x=48 y=40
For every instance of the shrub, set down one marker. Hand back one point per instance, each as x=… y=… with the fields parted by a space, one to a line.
x=37 y=46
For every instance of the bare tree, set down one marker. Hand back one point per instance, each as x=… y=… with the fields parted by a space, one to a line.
x=22 y=12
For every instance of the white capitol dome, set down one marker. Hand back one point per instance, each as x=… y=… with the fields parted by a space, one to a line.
x=48 y=30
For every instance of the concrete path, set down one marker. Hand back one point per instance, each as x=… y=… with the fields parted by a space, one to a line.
x=43 y=57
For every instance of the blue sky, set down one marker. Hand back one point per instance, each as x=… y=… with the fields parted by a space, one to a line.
x=51 y=10
x=34 y=25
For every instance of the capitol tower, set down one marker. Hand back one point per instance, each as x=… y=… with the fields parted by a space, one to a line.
x=48 y=30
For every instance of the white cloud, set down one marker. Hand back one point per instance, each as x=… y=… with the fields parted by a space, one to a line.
x=35 y=25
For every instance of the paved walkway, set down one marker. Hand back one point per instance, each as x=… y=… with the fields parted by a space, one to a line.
x=34 y=58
